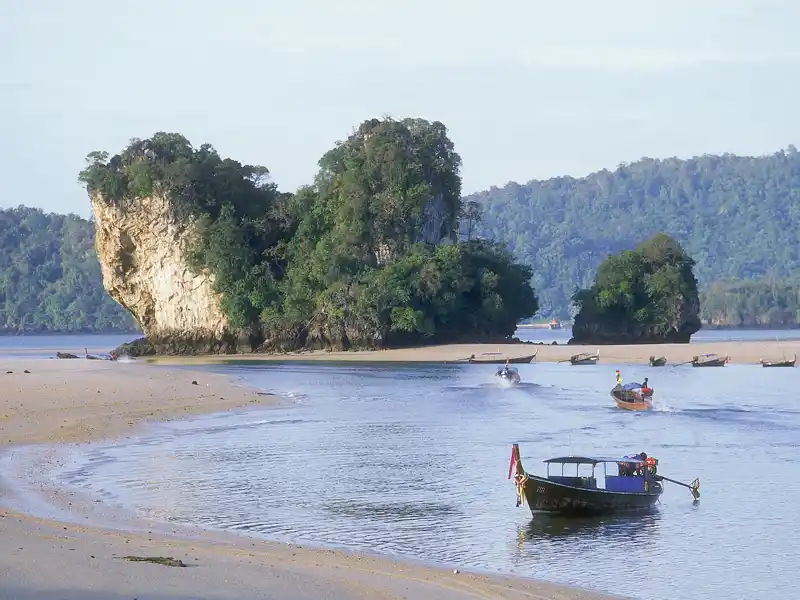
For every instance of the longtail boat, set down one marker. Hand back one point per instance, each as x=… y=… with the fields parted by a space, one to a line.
x=508 y=375
x=710 y=360
x=779 y=363
x=585 y=358
x=497 y=358
x=658 y=362
x=633 y=396
x=636 y=485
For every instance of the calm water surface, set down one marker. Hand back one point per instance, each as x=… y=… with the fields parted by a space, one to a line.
x=412 y=460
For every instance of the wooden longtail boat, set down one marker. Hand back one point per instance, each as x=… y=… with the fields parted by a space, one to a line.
x=709 y=360
x=633 y=396
x=658 y=362
x=586 y=358
x=497 y=358
x=779 y=363
x=635 y=486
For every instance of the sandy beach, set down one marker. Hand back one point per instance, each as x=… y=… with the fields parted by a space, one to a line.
x=80 y=555
x=738 y=352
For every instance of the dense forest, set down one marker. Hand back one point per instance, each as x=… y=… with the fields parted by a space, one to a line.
x=737 y=217
x=752 y=303
x=367 y=255
x=50 y=277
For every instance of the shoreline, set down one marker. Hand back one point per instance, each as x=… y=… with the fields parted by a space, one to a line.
x=61 y=403
x=740 y=352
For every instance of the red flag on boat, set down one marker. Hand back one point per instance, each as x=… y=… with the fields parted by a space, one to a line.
x=514 y=459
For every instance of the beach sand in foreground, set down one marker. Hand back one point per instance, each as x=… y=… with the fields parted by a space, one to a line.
x=739 y=353
x=61 y=401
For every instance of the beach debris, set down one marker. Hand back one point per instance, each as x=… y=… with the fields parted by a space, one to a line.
x=167 y=561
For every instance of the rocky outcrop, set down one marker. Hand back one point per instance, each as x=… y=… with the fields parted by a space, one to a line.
x=685 y=322
x=142 y=248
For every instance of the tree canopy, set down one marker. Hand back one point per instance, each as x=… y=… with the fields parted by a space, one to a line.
x=50 y=278
x=640 y=296
x=738 y=217
x=367 y=255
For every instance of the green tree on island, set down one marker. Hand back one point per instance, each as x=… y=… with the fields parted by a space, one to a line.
x=646 y=295
x=365 y=256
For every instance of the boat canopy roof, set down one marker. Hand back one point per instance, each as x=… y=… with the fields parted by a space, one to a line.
x=591 y=460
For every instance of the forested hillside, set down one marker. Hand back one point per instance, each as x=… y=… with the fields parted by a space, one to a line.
x=50 y=278
x=752 y=303
x=737 y=217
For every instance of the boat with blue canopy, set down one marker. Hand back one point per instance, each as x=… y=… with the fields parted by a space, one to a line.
x=633 y=396
x=634 y=485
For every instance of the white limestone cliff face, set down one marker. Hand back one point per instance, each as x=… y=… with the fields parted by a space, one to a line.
x=142 y=253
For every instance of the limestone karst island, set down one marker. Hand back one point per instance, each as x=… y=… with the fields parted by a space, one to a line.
x=209 y=256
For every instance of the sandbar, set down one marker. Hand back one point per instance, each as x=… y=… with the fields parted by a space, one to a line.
x=739 y=352
x=78 y=558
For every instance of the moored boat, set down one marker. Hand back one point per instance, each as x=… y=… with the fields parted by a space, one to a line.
x=497 y=358
x=636 y=486
x=779 y=363
x=585 y=358
x=658 y=362
x=111 y=356
x=710 y=360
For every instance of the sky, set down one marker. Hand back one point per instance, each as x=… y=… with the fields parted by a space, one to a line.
x=528 y=89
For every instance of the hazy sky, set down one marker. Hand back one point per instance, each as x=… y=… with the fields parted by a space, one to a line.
x=528 y=89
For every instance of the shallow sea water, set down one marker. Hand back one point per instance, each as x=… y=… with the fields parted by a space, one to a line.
x=412 y=460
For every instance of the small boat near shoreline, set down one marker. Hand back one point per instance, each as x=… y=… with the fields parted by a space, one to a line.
x=710 y=360
x=585 y=358
x=637 y=485
x=779 y=363
x=496 y=358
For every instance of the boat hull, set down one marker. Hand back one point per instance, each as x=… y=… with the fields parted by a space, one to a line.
x=783 y=363
x=592 y=360
x=545 y=496
x=629 y=400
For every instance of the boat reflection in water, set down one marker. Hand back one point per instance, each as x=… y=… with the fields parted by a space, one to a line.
x=546 y=534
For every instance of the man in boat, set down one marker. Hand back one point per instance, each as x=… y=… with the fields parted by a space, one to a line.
x=629 y=469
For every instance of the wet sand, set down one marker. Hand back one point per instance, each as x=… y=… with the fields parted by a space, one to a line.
x=79 y=554
x=738 y=352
